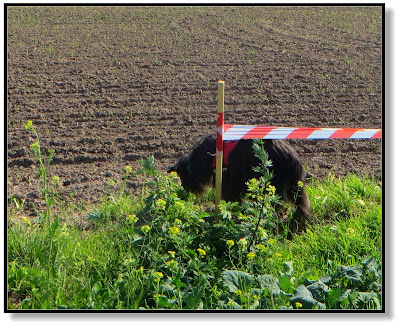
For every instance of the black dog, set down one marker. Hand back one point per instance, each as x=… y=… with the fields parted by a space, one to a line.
x=196 y=173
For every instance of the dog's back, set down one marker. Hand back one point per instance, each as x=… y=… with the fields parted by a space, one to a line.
x=287 y=172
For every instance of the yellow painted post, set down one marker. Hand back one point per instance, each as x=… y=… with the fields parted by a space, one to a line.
x=219 y=145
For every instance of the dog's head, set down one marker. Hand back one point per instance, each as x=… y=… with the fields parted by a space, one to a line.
x=190 y=177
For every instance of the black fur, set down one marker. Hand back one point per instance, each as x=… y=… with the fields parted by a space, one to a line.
x=197 y=175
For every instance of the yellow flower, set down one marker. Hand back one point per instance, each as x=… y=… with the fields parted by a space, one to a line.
x=242 y=242
x=271 y=189
x=145 y=228
x=298 y=304
x=256 y=297
x=157 y=276
x=272 y=241
x=300 y=184
x=128 y=170
x=173 y=230
x=278 y=255
x=230 y=303
x=132 y=218
x=350 y=231
x=260 y=247
x=178 y=221
x=171 y=253
x=237 y=292
x=28 y=125
x=251 y=255
x=172 y=264
x=230 y=242
x=201 y=252
x=161 y=204
x=55 y=180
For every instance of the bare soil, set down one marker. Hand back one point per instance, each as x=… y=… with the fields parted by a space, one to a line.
x=106 y=86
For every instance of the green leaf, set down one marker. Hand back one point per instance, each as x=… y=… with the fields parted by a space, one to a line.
x=193 y=298
x=177 y=281
x=167 y=289
x=285 y=284
x=54 y=225
x=165 y=302
x=363 y=299
x=319 y=290
x=304 y=296
x=237 y=280
x=95 y=215
x=40 y=255
x=270 y=283
x=344 y=298
x=288 y=268
x=334 y=298
x=373 y=266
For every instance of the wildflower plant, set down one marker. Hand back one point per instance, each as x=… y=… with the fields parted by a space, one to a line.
x=257 y=211
x=47 y=255
x=44 y=163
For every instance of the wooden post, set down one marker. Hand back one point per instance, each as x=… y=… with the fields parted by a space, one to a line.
x=219 y=145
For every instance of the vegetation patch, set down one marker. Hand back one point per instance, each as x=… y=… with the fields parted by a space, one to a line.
x=161 y=249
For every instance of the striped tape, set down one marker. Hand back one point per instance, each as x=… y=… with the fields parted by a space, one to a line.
x=237 y=132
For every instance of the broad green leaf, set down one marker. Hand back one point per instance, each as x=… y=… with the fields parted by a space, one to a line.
x=285 y=284
x=373 y=266
x=270 y=283
x=334 y=298
x=303 y=296
x=319 y=290
x=237 y=280
x=366 y=298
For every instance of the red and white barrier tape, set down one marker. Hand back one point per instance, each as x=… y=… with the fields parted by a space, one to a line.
x=237 y=132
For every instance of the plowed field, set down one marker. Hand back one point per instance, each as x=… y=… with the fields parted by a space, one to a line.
x=106 y=86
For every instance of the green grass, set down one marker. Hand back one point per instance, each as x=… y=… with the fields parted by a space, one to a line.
x=178 y=259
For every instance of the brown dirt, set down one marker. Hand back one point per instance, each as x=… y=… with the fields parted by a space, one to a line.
x=106 y=86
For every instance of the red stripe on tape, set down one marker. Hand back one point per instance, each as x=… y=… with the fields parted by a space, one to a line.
x=258 y=132
x=377 y=135
x=343 y=133
x=301 y=133
x=227 y=127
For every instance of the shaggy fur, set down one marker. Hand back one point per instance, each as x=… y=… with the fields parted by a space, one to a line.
x=197 y=175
